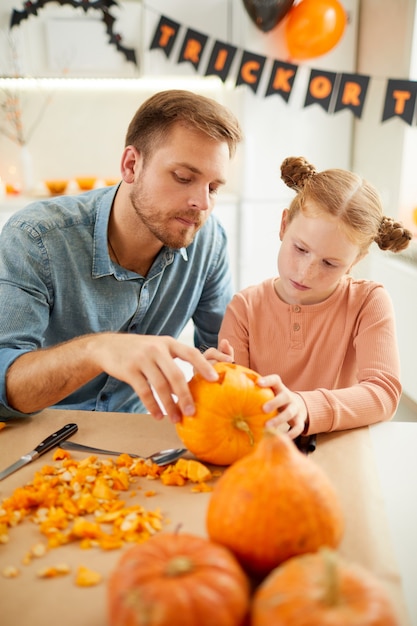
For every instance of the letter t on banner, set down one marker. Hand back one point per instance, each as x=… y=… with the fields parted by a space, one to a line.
x=400 y=100
x=165 y=35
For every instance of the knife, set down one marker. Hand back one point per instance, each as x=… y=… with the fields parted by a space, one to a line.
x=45 y=445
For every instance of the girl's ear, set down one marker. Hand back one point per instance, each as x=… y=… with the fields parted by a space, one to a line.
x=284 y=223
x=360 y=256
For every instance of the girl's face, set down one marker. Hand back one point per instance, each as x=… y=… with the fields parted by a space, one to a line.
x=314 y=255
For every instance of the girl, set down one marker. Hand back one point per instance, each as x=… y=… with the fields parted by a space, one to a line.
x=324 y=341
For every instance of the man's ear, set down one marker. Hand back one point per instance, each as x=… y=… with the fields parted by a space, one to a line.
x=284 y=223
x=129 y=163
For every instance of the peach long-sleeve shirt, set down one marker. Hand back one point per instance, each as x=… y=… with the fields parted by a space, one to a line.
x=341 y=355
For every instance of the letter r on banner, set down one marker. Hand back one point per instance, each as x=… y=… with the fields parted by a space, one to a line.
x=192 y=48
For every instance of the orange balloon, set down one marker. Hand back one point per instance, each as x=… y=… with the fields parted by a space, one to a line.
x=314 y=27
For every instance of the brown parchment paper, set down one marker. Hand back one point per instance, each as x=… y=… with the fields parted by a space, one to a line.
x=346 y=457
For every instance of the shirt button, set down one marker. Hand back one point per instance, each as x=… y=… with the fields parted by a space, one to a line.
x=297 y=309
x=296 y=327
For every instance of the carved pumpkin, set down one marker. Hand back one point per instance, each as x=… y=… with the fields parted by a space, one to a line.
x=321 y=590
x=229 y=419
x=273 y=504
x=178 y=580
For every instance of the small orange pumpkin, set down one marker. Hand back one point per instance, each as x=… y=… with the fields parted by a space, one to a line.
x=273 y=504
x=178 y=580
x=321 y=590
x=229 y=419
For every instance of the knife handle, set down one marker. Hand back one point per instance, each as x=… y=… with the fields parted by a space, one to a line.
x=56 y=438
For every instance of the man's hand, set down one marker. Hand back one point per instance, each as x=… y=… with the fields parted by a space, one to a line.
x=40 y=379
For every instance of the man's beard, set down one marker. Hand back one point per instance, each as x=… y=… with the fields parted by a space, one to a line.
x=157 y=222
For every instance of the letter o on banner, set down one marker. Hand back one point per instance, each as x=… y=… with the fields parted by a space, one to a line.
x=314 y=27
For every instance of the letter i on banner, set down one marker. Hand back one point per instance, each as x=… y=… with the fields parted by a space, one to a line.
x=165 y=35
x=221 y=60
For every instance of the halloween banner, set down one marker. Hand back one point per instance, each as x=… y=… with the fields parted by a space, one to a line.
x=333 y=91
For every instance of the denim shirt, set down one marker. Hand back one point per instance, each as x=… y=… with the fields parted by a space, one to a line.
x=57 y=282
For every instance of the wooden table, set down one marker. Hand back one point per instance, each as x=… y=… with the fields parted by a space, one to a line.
x=347 y=457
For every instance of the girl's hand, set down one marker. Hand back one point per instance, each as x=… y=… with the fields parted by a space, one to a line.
x=291 y=406
x=224 y=353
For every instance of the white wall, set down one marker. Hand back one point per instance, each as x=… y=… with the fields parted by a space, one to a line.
x=82 y=131
x=386 y=154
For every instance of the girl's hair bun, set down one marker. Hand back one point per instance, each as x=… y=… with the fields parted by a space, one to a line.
x=295 y=171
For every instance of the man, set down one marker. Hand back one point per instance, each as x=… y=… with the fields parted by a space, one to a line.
x=94 y=288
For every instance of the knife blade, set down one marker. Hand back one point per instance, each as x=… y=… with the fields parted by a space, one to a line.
x=45 y=445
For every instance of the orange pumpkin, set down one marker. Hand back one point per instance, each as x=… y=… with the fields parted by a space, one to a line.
x=273 y=504
x=229 y=419
x=178 y=580
x=321 y=590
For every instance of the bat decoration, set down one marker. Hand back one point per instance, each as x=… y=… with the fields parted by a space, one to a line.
x=95 y=4
x=31 y=7
x=116 y=39
x=128 y=52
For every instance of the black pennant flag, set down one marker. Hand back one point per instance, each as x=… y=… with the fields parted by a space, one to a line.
x=250 y=71
x=165 y=35
x=282 y=79
x=400 y=100
x=352 y=93
x=221 y=59
x=192 y=48
x=320 y=88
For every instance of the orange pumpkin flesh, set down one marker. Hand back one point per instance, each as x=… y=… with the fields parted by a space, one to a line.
x=229 y=419
x=321 y=590
x=178 y=580
x=273 y=504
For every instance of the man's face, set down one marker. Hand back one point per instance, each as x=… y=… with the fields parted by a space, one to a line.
x=175 y=189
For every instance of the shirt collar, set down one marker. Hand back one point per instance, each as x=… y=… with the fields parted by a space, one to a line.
x=102 y=264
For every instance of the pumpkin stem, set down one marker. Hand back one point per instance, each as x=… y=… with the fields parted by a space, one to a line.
x=331 y=578
x=240 y=424
x=179 y=565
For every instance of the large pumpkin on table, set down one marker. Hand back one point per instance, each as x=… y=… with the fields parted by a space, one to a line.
x=321 y=590
x=273 y=504
x=178 y=580
x=229 y=419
